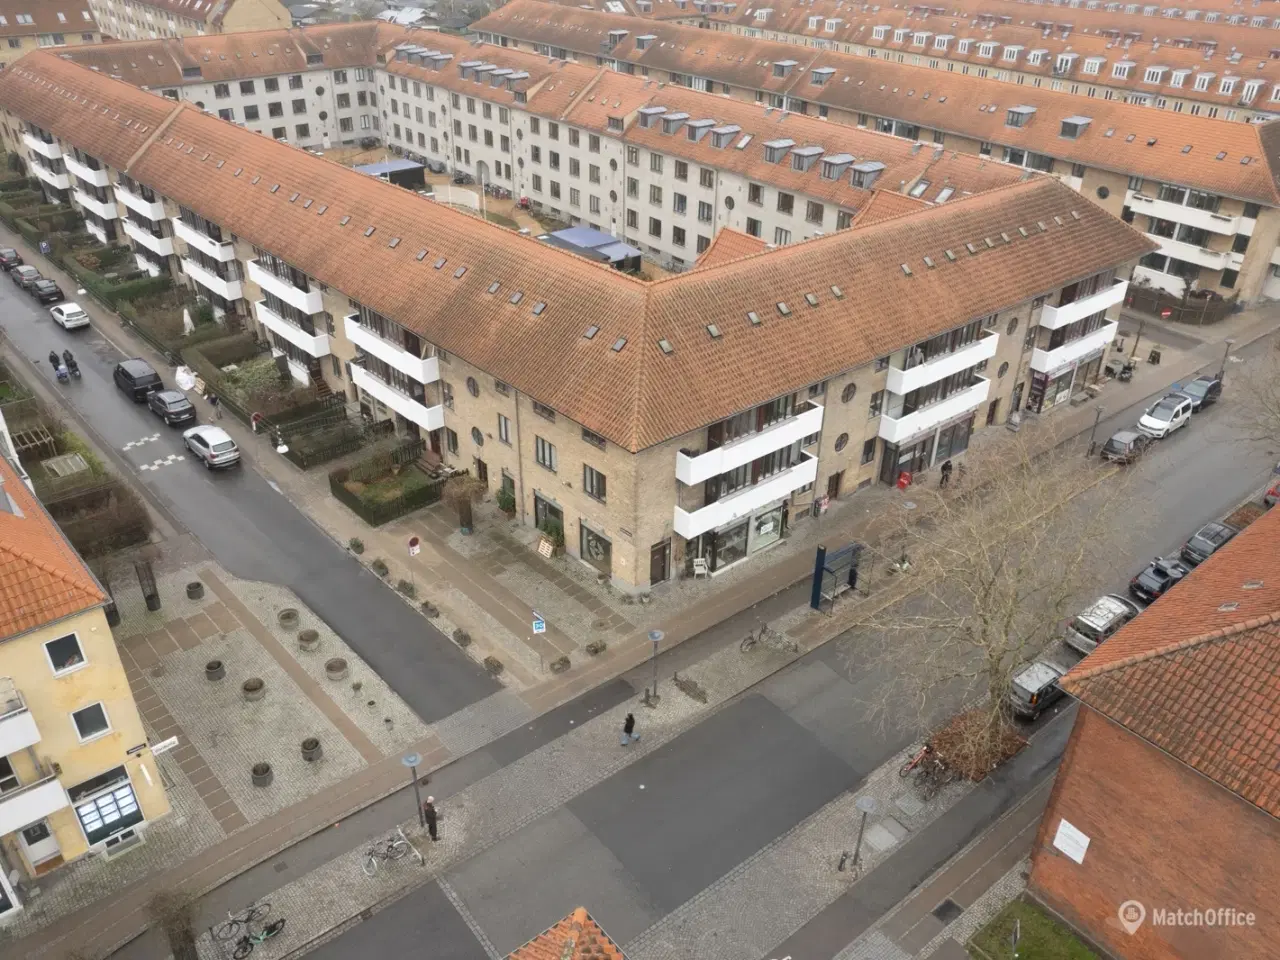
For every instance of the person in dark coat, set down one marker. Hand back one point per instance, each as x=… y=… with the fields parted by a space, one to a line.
x=946 y=474
x=628 y=729
x=430 y=815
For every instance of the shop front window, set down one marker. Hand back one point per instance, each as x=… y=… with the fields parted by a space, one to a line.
x=106 y=805
x=768 y=528
x=595 y=549
x=953 y=440
x=731 y=544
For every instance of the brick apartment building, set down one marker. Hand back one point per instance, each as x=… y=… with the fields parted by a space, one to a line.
x=150 y=19
x=1169 y=790
x=27 y=25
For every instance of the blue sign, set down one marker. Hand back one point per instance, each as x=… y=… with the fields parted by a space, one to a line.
x=539 y=626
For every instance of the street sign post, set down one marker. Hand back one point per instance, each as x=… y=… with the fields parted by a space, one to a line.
x=655 y=637
x=539 y=625
x=411 y=760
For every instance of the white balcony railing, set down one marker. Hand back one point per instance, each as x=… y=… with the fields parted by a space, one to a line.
x=1047 y=361
x=99 y=178
x=308 y=301
x=18 y=728
x=903 y=382
x=313 y=344
x=1180 y=213
x=95 y=230
x=50 y=150
x=423 y=369
x=1051 y=317
x=691 y=523
x=153 y=210
x=61 y=181
x=230 y=289
x=145 y=238
x=208 y=246
x=1201 y=256
x=899 y=429
x=740 y=452
x=107 y=211
x=296 y=370
x=31 y=803
x=429 y=418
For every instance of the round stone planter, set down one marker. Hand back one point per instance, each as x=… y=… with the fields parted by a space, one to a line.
x=288 y=618
x=195 y=590
x=308 y=640
x=215 y=670
x=336 y=669
x=311 y=749
x=262 y=775
x=253 y=689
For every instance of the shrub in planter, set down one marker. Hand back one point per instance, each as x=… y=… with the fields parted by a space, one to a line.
x=596 y=647
x=506 y=501
x=560 y=665
x=461 y=637
x=430 y=609
x=555 y=532
x=355 y=545
x=379 y=566
x=493 y=665
x=406 y=587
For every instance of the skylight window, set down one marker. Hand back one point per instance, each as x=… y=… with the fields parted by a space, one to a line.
x=395 y=242
x=275 y=187
x=538 y=308
x=441 y=262
x=369 y=231
x=323 y=208
x=619 y=344
x=714 y=331
x=493 y=287
x=665 y=346
x=837 y=292
x=591 y=331
x=518 y=296
x=422 y=255
x=293 y=197
x=783 y=309
x=906 y=269
x=457 y=274
x=344 y=221
x=811 y=299
x=254 y=181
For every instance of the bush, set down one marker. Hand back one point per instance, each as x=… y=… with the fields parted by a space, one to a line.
x=596 y=647
x=493 y=666
x=506 y=501
x=461 y=637
x=236 y=348
x=560 y=665
x=203 y=313
x=105 y=523
x=429 y=609
x=406 y=587
x=555 y=531
x=355 y=545
x=379 y=566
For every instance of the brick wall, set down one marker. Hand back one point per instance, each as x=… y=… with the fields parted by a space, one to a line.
x=1160 y=834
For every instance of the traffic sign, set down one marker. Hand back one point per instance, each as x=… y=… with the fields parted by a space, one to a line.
x=415 y=546
x=1166 y=313
x=411 y=759
x=656 y=636
x=539 y=625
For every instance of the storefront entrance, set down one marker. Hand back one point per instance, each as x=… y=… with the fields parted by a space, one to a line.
x=660 y=561
x=546 y=513
x=39 y=845
x=1048 y=389
x=949 y=440
x=595 y=549
x=736 y=541
x=107 y=808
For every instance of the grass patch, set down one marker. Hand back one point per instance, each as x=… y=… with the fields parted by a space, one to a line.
x=502 y=220
x=1043 y=937
x=389 y=488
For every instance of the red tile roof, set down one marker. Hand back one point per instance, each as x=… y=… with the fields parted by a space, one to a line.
x=42 y=578
x=42 y=16
x=730 y=245
x=1197 y=674
x=576 y=937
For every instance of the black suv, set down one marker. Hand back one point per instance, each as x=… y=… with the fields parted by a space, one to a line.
x=1204 y=391
x=137 y=378
x=9 y=258
x=1156 y=580
x=46 y=291
x=1207 y=541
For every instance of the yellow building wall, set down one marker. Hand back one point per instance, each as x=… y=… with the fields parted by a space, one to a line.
x=52 y=699
x=74 y=38
x=255 y=15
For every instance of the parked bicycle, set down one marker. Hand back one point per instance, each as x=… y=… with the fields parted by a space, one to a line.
x=931 y=776
x=235 y=922
x=244 y=946
x=915 y=761
x=769 y=636
x=394 y=847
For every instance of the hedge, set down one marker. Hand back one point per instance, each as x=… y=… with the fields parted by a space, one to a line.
x=383 y=511
x=109 y=292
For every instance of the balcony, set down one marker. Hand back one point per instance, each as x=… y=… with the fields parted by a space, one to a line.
x=18 y=728
x=107 y=211
x=24 y=806
x=99 y=178
x=95 y=230
x=1201 y=256
x=428 y=418
x=34 y=143
x=704 y=466
x=1048 y=361
x=145 y=238
x=1051 y=317
x=296 y=370
x=153 y=210
x=903 y=382
x=691 y=523
x=207 y=245
x=898 y=429
x=423 y=369
x=308 y=301
x=61 y=181
x=313 y=344
x=1180 y=213
x=1165 y=281
x=228 y=289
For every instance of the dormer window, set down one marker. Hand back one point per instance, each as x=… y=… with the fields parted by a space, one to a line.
x=1019 y=116
x=616 y=37
x=721 y=137
x=920 y=38
x=879 y=33
x=1010 y=54
x=782 y=68
x=820 y=75
x=900 y=35
x=1036 y=57
x=942 y=41
x=1064 y=63
x=673 y=121
x=865 y=174
x=963 y=45
x=834 y=166
x=1227 y=85
x=829 y=25
x=1203 y=80
x=1178 y=78
x=814 y=21
x=1250 y=91
x=803 y=158
x=643 y=41
x=649 y=116
x=987 y=49
x=697 y=129
x=1093 y=65
x=1121 y=69
x=775 y=150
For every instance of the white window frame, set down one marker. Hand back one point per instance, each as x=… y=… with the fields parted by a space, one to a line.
x=63 y=671
x=76 y=727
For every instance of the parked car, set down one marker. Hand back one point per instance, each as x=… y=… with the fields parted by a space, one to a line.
x=46 y=291
x=137 y=378
x=9 y=258
x=1204 y=391
x=25 y=276
x=1103 y=618
x=69 y=316
x=212 y=445
x=1205 y=542
x=1156 y=580
x=1125 y=446
x=171 y=406
x=1169 y=413
x=1034 y=688
x=1271 y=496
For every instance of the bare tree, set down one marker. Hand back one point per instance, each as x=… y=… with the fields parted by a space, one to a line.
x=994 y=562
x=461 y=492
x=173 y=912
x=1255 y=387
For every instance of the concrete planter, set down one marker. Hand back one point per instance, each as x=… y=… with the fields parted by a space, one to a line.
x=308 y=640
x=215 y=670
x=311 y=749
x=253 y=689
x=262 y=775
x=336 y=669
x=288 y=618
x=195 y=590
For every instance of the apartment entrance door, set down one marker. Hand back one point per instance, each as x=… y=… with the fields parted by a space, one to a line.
x=660 y=561
x=39 y=844
x=482 y=471
x=833 y=485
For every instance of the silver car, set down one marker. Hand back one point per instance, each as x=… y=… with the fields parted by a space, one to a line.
x=1103 y=618
x=212 y=446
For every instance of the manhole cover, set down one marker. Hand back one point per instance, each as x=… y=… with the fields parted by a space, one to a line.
x=947 y=910
x=280 y=867
x=908 y=804
x=880 y=838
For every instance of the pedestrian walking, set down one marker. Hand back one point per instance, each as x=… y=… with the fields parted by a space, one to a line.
x=946 y=474
x=429 y=814
x=629 y=729
x=786 y=516
x=216 y=404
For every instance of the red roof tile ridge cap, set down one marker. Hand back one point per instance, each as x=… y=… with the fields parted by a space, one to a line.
x=70 y=581
x=1082 y=672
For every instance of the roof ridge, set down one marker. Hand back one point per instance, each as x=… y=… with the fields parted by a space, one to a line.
x=1083 y=673
x=34 y=561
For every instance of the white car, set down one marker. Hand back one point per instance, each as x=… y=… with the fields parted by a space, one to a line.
x=1169 y=413
x=69 y=316
x=212 y=445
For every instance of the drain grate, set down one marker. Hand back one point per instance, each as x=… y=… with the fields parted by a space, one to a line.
x=947 y=910
x=280 y=866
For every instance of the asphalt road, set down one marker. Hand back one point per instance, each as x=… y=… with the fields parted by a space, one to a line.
x=250 y=528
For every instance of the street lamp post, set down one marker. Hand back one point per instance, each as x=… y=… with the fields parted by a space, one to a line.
x=867 y=805
x=655 y=637
x=411 y=760
x=1222 y=370
x=1097 y=415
